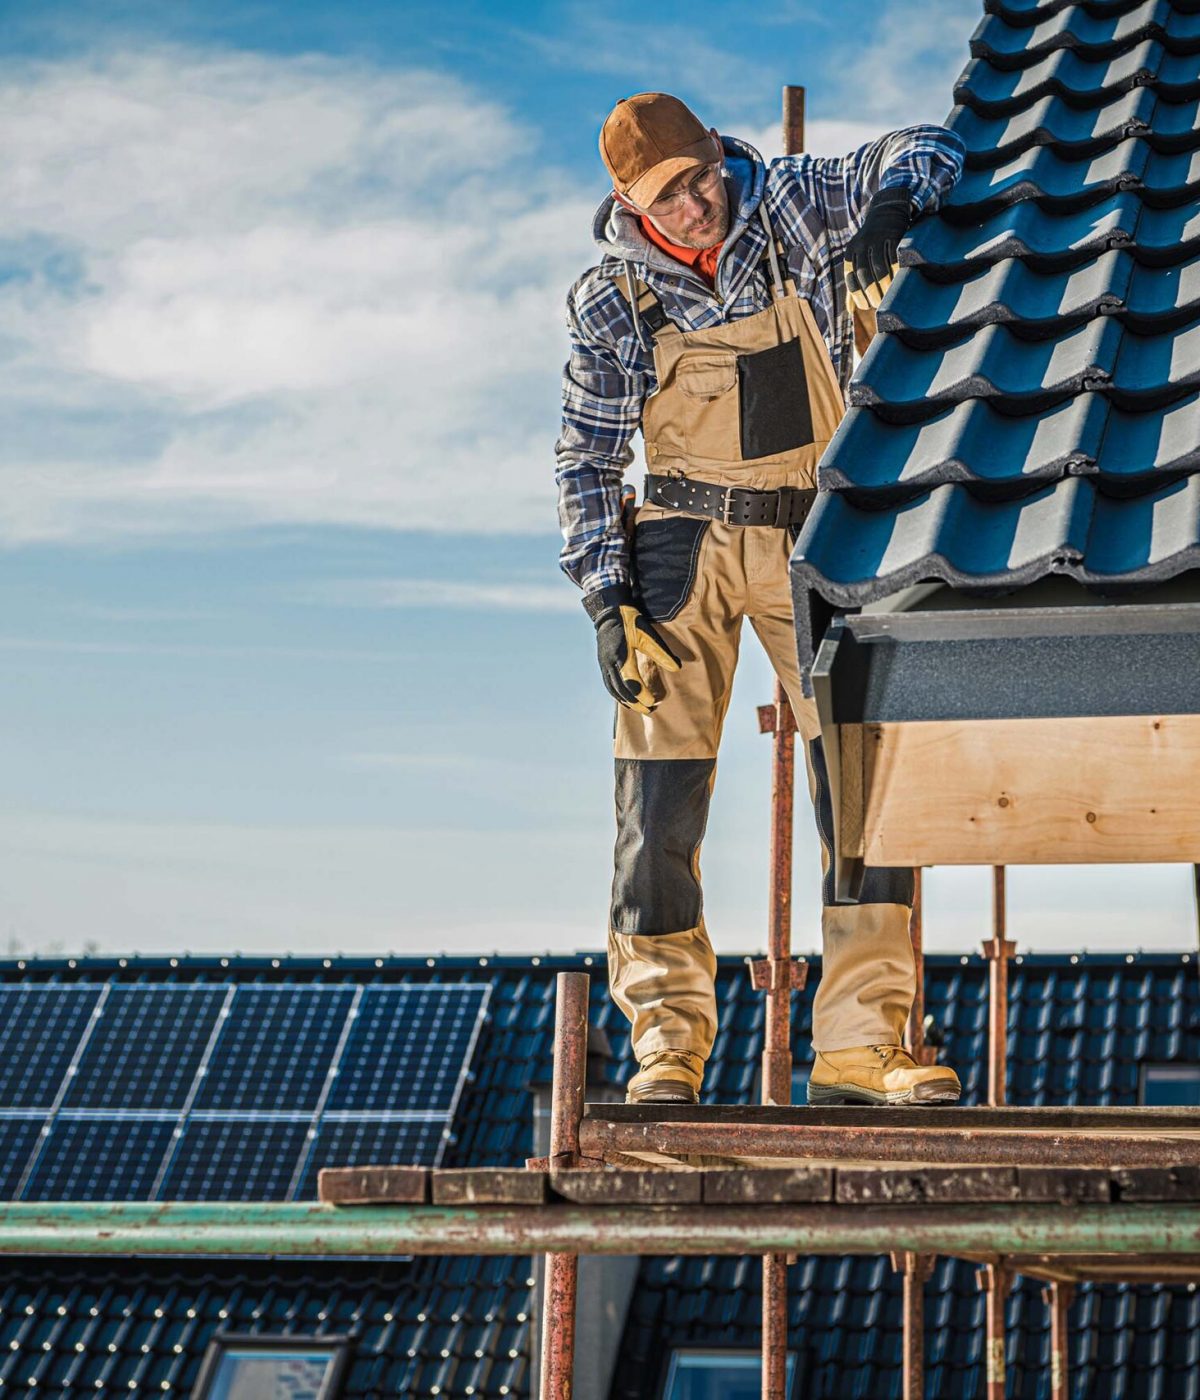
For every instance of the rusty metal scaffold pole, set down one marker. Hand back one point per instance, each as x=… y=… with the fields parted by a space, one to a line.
x=566 y=1111
x=1058 y=1298
x=998 y=950
x=778 y=977
x=915 y=1269
x=914 y=1036
x=996 y=1282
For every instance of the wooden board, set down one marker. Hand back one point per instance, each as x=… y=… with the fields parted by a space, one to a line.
x=846 y=1186
x=1029 y=791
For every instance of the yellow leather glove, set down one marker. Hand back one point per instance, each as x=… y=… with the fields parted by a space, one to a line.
x=622 y=633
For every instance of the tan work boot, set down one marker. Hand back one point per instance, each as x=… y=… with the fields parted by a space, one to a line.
x=667 y=1076
x=879 y=1074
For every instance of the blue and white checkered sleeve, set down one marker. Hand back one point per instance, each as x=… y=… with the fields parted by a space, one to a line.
x=601 y=410
x=925 y=160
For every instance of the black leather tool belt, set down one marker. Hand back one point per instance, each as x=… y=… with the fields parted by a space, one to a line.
x=732 y=505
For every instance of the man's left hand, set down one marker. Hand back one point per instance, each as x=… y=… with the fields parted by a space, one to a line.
x=871 y=256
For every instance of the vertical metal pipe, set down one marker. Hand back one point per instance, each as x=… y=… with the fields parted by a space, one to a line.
x=777 y=1032
x=775 y=1323
x=793 y=120
x=915 y=1269
x=998 y=949
x=995 y=1280
x=915 y=1035
x=777 y=1046
x=1058 y=1298
x=566 y=1111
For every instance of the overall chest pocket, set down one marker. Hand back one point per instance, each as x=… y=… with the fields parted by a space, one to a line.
x=707 y=401
x=775 y=413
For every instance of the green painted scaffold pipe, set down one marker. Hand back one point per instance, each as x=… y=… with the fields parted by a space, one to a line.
x=272 y=1228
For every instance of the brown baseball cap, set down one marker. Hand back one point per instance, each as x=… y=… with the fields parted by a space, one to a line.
x=649 y=140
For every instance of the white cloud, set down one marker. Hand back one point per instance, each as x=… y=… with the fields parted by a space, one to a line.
x=334 y=301
x=250 y=289
x=505 y=596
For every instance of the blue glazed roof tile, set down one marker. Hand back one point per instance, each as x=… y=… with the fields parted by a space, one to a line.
x=970 y=441
x=928 y=313
x=1044 y=327
x=1069 y=131
x=1076 y=28
x=1062 y=74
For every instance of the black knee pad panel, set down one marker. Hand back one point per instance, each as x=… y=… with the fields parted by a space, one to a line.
x=662 y=810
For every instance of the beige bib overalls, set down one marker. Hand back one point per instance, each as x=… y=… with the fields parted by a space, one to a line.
x=751 y=403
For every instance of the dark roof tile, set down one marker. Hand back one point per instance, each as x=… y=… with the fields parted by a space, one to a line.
x=1056 y=183
x=924 y=312
x=1070 y=131
x=1069 y=527
x=1045 y=239
x=1091 y=35
x=968 y=442
x=1043 y=331
x=1030 y=12
x=992 y=363
x=1164 y=440
x=1078 y=1032
x=1081 y=81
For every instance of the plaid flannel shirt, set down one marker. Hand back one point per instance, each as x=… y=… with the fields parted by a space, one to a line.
x=815 y=207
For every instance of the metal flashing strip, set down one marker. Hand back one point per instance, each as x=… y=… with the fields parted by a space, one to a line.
x=901 y=668
x=979 y=624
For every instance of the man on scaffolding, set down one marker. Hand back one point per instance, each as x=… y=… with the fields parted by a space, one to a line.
x=719 y=322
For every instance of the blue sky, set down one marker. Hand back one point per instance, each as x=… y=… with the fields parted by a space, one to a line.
x=288 y=663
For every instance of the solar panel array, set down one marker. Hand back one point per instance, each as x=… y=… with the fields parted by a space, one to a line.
x=215 y=1092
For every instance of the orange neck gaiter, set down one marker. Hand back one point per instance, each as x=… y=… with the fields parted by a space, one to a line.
x=704 y=260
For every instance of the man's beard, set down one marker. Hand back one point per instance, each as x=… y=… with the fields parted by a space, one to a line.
x=708 y=236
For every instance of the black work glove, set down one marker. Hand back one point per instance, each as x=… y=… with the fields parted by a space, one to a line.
x=871 y=257
x=621 y=633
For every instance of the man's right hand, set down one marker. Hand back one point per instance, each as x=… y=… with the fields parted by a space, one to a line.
x=622 y=632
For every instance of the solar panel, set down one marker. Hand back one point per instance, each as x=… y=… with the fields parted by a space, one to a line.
x=40 y=1027
x=146 y=1047
x=18 y=1138
x=234 y=1159
x=205 y=1092
x=275 y=1048
x=99 y=1159
x=358 y=1141
x=408 y=1048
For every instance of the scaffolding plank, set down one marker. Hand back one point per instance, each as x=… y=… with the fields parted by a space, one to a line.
x=900 y=1185
x=488 y=1186
x=1066 y=1185
x=768 y=1185
x=1109 y=1138
x=621 y=1185
x=1158 y=1184
x=1053 y=1118
x=366 y=1186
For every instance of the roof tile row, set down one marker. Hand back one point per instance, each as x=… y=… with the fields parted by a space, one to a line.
x=1044 y=326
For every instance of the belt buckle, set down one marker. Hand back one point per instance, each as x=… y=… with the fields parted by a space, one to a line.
x=727 y=508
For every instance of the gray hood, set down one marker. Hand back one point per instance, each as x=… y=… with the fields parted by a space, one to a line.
x=618 y=234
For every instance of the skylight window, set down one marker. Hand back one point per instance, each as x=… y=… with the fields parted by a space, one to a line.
x=719 y=1375
x=272 y=1368
x=1164 y=1085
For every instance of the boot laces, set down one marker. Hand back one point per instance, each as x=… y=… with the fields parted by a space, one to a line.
x=887 y=1053
x=684 y=1058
